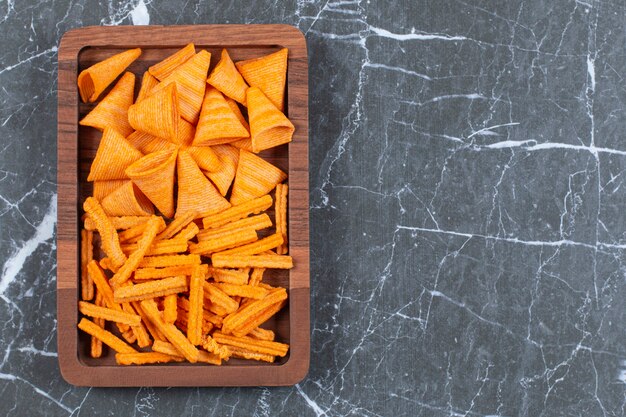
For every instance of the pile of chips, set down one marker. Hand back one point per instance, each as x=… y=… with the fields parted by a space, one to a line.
x=172 y=263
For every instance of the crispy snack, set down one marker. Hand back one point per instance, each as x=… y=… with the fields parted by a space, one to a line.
x=103 y=188
x=214 y=319
x=259 y=319
x=255 y=177
x=281 y=216
x=134 y=233
x=166 y=348
x=95 y=311
x=269 y=127
x=186 y=132
x=195 y=191
x=112 y=111
x=148 y=143
x=154 y=332
x=241 y=143
x=119 y=223
x=154 y=175
x=268 y=73
x=214 y=308
x=157 y=114
x=255 y=345
x=162 y=247
x=196 y=295
x=176 y=225
x=218 y=124
x=86 y=255
x=170 y=308
x=163 y=69
x=210 y=345
x=252 y=261
x=104 y=289
x=150 y=289
x=230 y=276
x=249 y=312
x=257 y=247
x=247 y=291
x=182 y=321
x=169 y=349
x=169 y=260
x=143 y=358
x=123 y=274
x=223 y=177
x=237 y=352
x=227 y=79
x=148 y=82
x=259 y=222
x=230 y=240
x=256 y=277
x=95 y=79
x=220 y=298
x=262 y=334
x=130 y=336
x=205 y=157
x=104 y=336
x=170 y=331
x=189 y=232
x=96 y=344
x=170 y=271
x=238 y=212
x=140 y=332
x=113 y=156
x=127 y=200
x=108 y=234
x=190 y=79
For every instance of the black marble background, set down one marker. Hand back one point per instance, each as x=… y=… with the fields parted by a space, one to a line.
x=467 y=190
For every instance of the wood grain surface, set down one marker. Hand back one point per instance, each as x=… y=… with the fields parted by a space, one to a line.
x=83 y=47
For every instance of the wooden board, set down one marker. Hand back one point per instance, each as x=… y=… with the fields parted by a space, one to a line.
x=79 y=49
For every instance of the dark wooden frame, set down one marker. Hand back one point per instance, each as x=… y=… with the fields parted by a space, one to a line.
x=73 y=369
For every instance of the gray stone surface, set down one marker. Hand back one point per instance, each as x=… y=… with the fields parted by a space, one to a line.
x=467 y=191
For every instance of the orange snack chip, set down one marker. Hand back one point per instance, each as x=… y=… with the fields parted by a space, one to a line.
x=238 y=319
x=169 y=260
x=154 y=332
x=154 y=175
x=227 y=79
x=262 y=334
x=157 y=114
x=134 y=233
x=86 y=255
x=176 y=225
x=180 y=342
x=95 y=79
x=230 y=240
x=259 y=318
x=162 y=247
x=281 y=216
x=150 y=289
x=247 y=291
x=259 y=222
x=186 y=132
x=190 y=79
x=237 y=352
x=252 y=261
x=169 y=271
x=205 y=157
x=163 y=69
x=218 y=124
x=195 y=191
x=241 y=211
x=148 y=82
x=105 y=313
x=119 y=223
x=196 y=294
x=255 y=177
x=254 y=345
x=140 y=332
x=113 y=156
x=256 y=276
x=257 y=247
x=210 y=345
x=108 y=234
x=223 y=177
x=123 y=274
x=103 y=188
x=148 y=143
x=230 y=276
x=269 y=127
x=143 y=358
x=189 y=232
x=96 y=344
x=269 y=73
x=127 y=200
x=170 y=308
x=112 y=111
x=104 y=336
x=219 y=297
